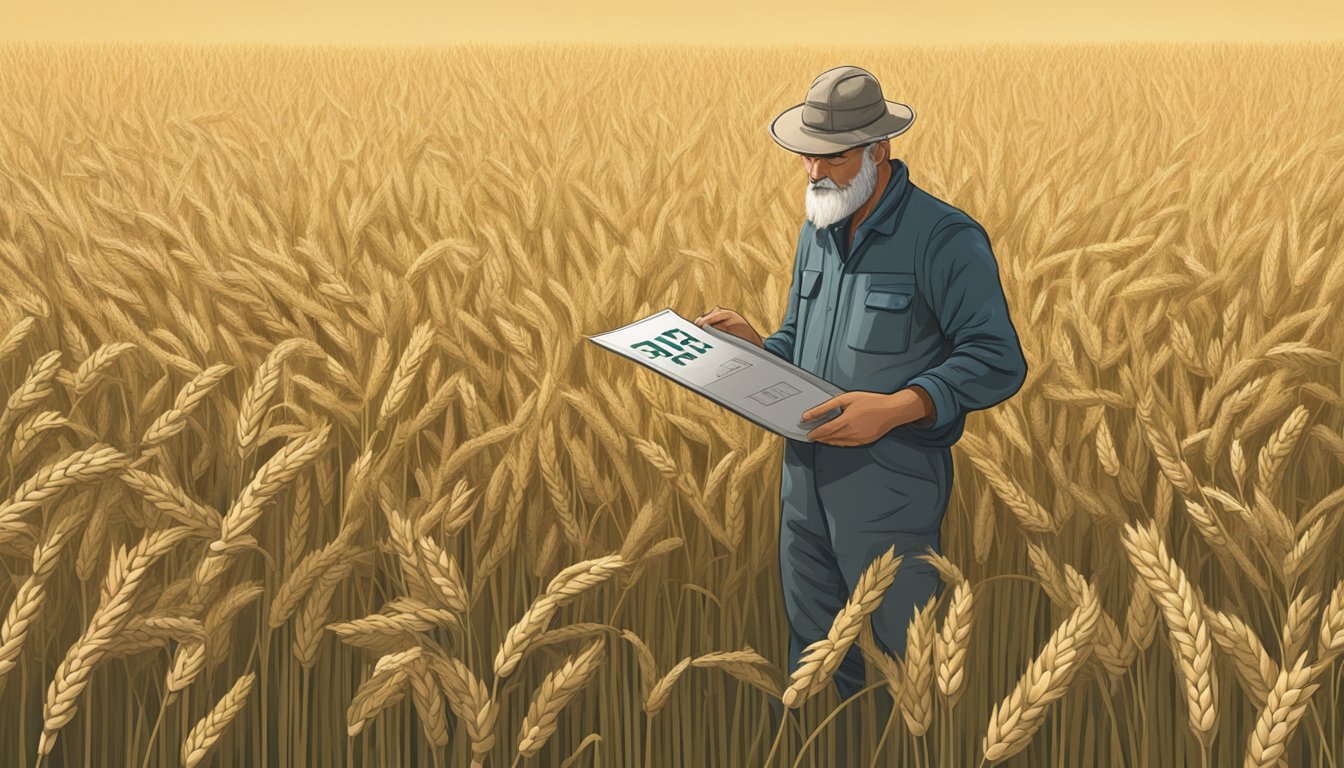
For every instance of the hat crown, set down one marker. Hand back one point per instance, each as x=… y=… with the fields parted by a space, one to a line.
x=843 y=99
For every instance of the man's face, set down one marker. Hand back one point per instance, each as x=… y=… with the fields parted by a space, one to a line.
x=840 y=167
x=838 y=185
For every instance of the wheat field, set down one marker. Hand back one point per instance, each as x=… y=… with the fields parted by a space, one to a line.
x=309 y=462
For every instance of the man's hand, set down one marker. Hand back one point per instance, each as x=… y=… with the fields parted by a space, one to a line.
x=866 y=416
x=729 y=321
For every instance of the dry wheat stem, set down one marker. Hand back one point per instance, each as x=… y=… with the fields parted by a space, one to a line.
x=208 y=730
x=1183 y=611
x=563 y=587
x=1014 y=721
x=554 y=693
x=820 y=659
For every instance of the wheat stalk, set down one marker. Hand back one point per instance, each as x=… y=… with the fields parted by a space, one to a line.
x=1297 y=632
x=1183 y=611
x=95 y=365
x=85 y=466
x=1016 y=719
x=15 y=336
x=662 y=688
x=171 y=500
x=820 y=659
x=208 y=730
x=72 y=675
x=316 y=607
x=278 y=470
x=428 y=702
x=407 y=366
x=32 y=593
x=469 y=699
x=264 y=383
x=442 y=571
x=384 y=688
x=952 y=643
x=35 y=388
x=1332 y=627
x=917 y=670
x=564 y=587
x=174 y=420
x=408 y=616
x=555 y=692
x=1286 y=703
x=1255 y=668
x=746 y=665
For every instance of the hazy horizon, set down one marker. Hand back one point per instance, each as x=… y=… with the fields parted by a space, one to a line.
x=692 y=22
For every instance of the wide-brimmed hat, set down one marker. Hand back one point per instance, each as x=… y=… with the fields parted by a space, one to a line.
x=844 y=108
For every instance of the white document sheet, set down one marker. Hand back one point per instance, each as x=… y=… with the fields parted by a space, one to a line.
x=747 y=380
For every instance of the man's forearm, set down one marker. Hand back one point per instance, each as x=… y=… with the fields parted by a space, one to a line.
x=912 y=405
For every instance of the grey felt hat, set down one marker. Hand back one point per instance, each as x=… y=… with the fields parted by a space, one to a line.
x=844 y=108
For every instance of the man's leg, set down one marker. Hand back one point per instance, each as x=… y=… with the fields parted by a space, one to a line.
x=809 y=573
x=888 y=494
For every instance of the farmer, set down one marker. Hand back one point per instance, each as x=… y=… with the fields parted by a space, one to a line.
x=895 y=299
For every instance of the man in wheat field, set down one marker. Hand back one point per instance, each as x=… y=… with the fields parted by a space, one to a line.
x=896 y=299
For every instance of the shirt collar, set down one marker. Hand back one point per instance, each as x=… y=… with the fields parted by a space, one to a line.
x=888 y=208
x=884 y=216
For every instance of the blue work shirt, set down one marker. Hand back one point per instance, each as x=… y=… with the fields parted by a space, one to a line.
x=914 y=301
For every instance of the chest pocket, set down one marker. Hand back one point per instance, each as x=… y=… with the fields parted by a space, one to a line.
x=807 y=287
x=881 y=324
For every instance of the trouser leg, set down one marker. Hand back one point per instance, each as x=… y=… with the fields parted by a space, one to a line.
x=809 y=575
x=888 y=494
x=840 y=509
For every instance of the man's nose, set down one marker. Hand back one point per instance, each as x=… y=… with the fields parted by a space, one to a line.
x=815 y=173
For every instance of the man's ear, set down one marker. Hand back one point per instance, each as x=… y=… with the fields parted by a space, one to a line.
x=882 y=151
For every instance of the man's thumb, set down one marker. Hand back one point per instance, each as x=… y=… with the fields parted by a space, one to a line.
x=819 y=409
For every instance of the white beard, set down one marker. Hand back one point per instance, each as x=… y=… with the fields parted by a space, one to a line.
x=828 y=202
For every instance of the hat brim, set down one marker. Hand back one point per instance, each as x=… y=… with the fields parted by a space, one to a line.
x=789 y=132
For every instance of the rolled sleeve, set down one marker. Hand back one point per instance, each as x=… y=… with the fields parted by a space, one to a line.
x=986 y=365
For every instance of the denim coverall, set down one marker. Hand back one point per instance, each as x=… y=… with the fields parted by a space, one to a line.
x=916 y=301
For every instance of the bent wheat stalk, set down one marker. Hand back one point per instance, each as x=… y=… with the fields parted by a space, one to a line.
x=1017 y=718
x=207 y=732
x=556 y=691
x=820 y=659
x=124 y=576
x=563 y=588
x=1183 y=610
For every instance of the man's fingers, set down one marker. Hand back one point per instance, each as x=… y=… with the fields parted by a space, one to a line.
x=832 y=428
x=817 y=410
x=820 y=409
x=711 y=317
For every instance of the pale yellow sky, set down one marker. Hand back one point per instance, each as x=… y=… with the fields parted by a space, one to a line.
x=717 y=22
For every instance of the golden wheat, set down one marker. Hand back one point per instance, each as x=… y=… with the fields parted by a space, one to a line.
x=210 y=728
x=822 y=657
x=1183 y=337
x=1016 y=719
x=1183 y=610
x=555 y=692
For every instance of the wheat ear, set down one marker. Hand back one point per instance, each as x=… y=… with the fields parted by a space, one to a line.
x=1284 y=707
x=1183 y=611
x=210 y=728
x=1016 y=719
x=953 y=641
x=563 y=588
x=555 y=692
x=821 y=658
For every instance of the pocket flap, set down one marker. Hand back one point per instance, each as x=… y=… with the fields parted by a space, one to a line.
x=807 y=287
x=889 y=298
